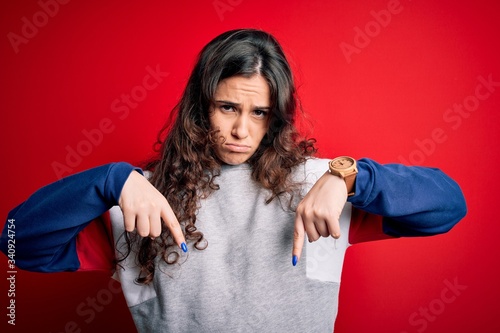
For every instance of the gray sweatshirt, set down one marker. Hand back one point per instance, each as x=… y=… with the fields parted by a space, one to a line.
x=244 y=280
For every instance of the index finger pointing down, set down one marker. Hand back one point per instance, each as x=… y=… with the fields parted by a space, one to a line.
x=298 y=239
x=173 y=225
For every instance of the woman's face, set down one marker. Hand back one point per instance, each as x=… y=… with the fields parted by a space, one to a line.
x=241 y=112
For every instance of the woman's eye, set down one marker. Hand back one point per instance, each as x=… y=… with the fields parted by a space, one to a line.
x=260 y=113
x=227 y=107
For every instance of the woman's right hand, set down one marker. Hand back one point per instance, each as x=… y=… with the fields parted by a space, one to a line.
x=144 y=207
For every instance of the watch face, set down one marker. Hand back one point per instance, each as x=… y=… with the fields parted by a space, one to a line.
x=342 y=163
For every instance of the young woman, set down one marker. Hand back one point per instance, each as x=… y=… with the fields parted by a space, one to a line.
x=213 y=238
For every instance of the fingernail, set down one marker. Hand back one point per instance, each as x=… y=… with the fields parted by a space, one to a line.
x=294 y=260
x=184 y=247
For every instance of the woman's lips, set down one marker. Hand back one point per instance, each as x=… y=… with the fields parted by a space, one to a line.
x=238 y=148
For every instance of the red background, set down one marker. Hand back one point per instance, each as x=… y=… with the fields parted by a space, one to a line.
x=392 y=94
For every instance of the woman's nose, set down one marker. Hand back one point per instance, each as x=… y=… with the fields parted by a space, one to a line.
x=240 y=127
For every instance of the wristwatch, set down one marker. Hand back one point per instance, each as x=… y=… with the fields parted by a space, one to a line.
x=345 y=168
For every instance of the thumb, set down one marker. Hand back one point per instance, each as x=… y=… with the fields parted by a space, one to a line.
x=298 y=239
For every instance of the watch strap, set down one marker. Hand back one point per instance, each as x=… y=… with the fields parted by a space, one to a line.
x=348 y=174
x=350 y=181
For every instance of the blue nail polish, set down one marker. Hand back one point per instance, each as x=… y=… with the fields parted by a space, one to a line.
x=294 y=260
x=184 y=247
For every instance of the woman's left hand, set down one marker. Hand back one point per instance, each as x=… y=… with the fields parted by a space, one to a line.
x=319 y=212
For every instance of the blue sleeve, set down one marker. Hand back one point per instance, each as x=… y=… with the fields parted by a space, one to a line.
x=414 y=201
x=46 y=225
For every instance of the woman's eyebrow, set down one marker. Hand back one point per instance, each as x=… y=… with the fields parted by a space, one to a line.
x=227 y=102
x=239 y=104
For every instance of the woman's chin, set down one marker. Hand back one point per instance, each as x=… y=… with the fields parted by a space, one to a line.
x=234 y=160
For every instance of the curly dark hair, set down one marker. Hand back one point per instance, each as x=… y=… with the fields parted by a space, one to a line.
x=186 y=166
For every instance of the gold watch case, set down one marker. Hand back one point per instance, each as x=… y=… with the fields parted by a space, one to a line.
x=345 y=167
